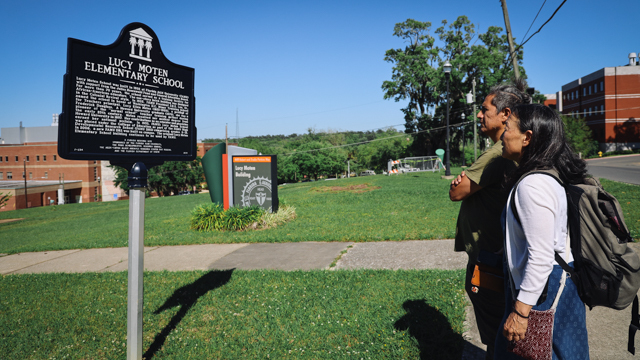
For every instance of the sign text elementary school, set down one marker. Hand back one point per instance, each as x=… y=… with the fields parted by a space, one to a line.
x=127 y=101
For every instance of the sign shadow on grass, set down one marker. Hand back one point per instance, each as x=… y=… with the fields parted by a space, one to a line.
x=431 y=329
x=186 y=297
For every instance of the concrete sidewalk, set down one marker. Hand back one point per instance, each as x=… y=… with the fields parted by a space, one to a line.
x=608 y=329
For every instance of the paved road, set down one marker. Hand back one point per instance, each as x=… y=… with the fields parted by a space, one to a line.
x=618 y=168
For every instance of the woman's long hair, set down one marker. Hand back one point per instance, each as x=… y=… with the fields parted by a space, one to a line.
x=548 y=148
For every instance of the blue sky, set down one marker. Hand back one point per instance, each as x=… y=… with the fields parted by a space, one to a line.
x=287 y=66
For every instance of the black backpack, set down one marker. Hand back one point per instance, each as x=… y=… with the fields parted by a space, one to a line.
x=606 y=271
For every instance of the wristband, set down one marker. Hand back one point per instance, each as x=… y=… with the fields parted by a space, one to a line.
x=517 y=313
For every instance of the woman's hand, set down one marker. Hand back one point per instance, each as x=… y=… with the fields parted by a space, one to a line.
x=515 y=327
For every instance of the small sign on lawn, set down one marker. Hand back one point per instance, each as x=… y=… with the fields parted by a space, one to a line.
x=255 y=181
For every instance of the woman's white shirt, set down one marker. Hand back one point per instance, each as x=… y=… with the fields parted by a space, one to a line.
x=542 y=206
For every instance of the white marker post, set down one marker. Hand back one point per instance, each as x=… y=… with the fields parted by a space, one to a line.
x=135 y=301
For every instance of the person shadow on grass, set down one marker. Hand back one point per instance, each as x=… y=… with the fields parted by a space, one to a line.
x=431 y=329
x=186 y=297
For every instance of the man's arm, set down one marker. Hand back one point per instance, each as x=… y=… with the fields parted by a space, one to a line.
x=462 y=187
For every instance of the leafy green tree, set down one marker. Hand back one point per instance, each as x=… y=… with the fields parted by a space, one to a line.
x=414 y=79
x=418 y=77
x=388 y=146
x=168 y=178
x=4 y=198
x=579 y=136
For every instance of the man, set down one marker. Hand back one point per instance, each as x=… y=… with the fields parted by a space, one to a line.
x=479 y=231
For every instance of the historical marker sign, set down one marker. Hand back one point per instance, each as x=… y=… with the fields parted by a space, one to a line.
x=126 y=102
x=255 y=181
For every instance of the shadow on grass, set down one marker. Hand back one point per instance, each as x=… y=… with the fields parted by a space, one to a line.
x=431 y=329
x=185 y=297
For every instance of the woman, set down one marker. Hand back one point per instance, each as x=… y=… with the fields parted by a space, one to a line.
x=534 y=138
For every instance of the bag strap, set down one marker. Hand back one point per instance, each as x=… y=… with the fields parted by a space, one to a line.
x=634 y=326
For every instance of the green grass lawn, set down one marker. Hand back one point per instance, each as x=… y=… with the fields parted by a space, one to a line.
x=371 y=208
x=365 y=314
x=397 y=208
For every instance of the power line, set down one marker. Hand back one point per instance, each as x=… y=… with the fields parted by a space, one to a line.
x=532 y=35
x=534 y=19
x=386 y=138
x=342 y=132
x=302 y=115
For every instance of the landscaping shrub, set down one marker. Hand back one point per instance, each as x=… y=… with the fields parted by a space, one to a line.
x=212 y=217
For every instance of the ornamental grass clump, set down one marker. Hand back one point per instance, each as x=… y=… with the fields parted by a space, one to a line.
x=284 y=214
x=213 y=217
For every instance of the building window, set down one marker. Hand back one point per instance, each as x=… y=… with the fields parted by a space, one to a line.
x=584 y=113
x=601 y=85
x=9 y=175
x=16 y=159
x=27 y=158
x=44 y=157
x=37 y=157
x=584 y=91
x=23 y=174
x=6 y=158
x=577 y=94
x=601 y=109
x=30 y=175
x=55 y=158
x=46 y=175
x=0 y=158
x=1 y=176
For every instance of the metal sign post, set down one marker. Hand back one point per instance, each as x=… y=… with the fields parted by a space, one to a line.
x=135 y=301
x=127 y=103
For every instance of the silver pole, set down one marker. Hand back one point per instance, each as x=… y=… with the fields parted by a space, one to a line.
x=136 y=269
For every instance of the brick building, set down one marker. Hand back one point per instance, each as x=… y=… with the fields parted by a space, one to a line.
x=609 y=101
x=51 y=179
x=31 y=154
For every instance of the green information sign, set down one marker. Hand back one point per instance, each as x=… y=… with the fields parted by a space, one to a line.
x=255 y=181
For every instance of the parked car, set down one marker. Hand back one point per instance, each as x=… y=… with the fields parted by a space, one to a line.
x=367 y=173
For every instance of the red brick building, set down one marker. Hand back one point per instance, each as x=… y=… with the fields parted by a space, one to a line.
x=51 y=179
x=609 y=101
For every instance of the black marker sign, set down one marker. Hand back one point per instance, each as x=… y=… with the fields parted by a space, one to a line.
x=126 y=101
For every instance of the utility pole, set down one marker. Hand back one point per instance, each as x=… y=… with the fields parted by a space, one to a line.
x=514 y=57
x=475 y=125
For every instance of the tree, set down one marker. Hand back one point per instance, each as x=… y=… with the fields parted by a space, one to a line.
x=388 y=146
x=579 y=136
x=168 y=178
x=4 y=198
x=417 y=76
x=414 y=78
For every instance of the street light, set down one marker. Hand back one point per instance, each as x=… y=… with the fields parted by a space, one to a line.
x=447 y=74
x=98 y=197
